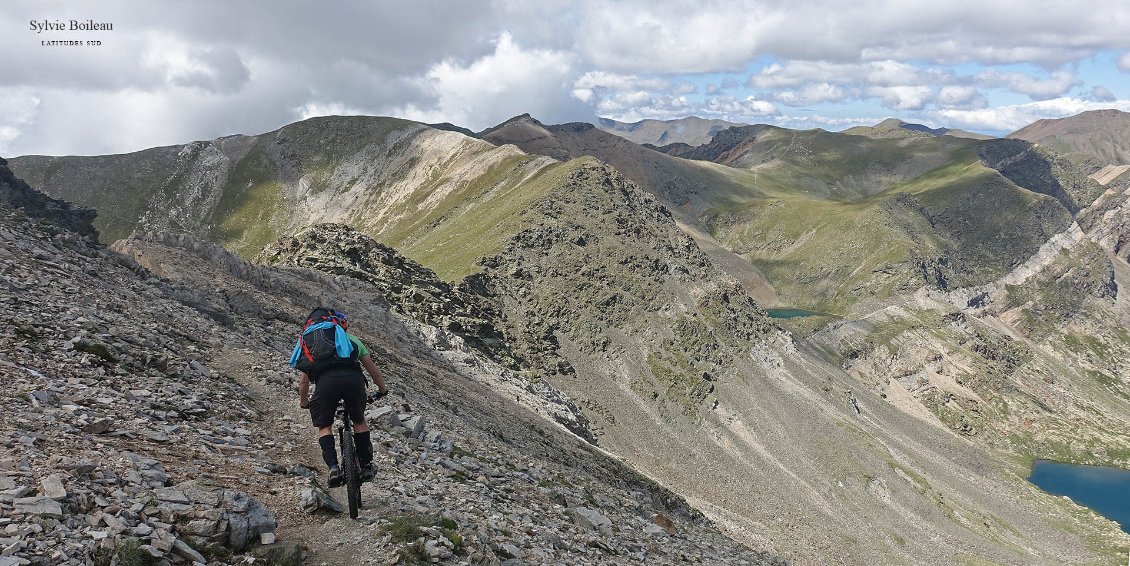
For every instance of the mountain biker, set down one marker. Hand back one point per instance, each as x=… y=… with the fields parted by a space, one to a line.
x=339 y=380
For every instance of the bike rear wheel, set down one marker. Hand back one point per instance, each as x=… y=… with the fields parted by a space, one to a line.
x=352 y=472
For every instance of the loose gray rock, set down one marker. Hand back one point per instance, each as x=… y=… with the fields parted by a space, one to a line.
x=384 y=417
x=589 y=518
x=312 y=499
x=415 y=425
x=182 y=549
x=99 y=426
x=39 y=507
x=53 y=486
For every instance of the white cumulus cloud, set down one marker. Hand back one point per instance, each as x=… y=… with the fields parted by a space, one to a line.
x=1056 y=84
x=510 y=81
x=813 y=93
x=1013 y=117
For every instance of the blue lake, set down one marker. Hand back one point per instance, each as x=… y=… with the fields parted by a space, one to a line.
x=1106 y=490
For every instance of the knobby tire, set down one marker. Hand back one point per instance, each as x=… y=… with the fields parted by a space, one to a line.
x=352 y=471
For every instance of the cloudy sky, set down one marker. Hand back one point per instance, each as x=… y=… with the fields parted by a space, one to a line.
x=172 y=72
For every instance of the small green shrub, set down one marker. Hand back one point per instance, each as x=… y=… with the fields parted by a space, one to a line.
x=129 y=553
x=96 y=349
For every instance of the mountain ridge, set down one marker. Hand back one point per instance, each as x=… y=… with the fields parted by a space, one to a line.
x=1096 y=134
x=896 y=128
x=690 y=130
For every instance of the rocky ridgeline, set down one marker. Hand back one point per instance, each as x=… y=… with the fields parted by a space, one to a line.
x=408 y=287
x=463 y=320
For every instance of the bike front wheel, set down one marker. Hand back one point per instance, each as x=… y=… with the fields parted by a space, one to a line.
x=352 y=472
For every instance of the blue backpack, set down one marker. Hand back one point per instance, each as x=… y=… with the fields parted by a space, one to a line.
x=324 y=345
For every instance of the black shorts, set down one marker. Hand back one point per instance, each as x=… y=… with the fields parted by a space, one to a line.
x=332 y=388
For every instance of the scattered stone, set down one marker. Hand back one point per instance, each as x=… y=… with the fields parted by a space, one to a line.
x=589 y=518
x=279 y=554
x=182 y=549
x=39 y=507
x=415 y=425
x=512 y=551
x=300 y=470
x=665 y=522
x=53 y=487
x=312 y=498
x=384 y=417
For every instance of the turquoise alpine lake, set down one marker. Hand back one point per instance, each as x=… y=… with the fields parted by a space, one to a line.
x=791 y=313
x=1106 y=490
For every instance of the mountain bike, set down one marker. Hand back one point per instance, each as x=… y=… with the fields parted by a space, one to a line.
x=350 y=466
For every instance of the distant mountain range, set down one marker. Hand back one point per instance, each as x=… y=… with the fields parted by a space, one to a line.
x=691 y=130
x=895 y=128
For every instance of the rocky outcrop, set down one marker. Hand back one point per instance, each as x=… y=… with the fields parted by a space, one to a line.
x=17 y=194
x=463 y=318
x=406 y=286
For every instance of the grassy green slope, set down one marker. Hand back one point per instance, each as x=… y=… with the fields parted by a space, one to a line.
x=830 y=218
x=837 y=218
x=475 y=222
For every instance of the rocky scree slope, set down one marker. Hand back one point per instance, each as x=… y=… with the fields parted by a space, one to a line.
x=152 y=419
x=120 y=438
x=15 y=193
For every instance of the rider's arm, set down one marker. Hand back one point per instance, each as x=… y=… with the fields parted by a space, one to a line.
x=304 y=390
x=375 y=373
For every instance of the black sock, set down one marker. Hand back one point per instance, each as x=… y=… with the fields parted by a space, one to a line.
x=329 y=452
x=364 y=447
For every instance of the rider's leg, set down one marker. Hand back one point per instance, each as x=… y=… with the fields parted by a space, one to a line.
x=355 y=403
x=322 y=417
x=329 y=449
x=364 y=443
